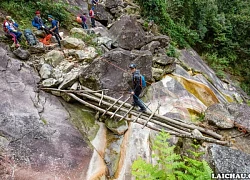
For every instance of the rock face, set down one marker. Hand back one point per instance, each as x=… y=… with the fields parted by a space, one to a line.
x=218 y=115
x=224 y=92
x=43 y=142
x=227 y=160
x=22 y=54
x=229 y=115
x=128 y=33
x=101 y=74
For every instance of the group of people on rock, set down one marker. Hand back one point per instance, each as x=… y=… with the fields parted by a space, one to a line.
x=91 y=15
x=11 y=29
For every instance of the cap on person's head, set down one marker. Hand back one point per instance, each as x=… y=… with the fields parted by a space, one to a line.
x=50 y=16
x=8 y=18
x=132 y=66
x=38 y=12
x=93 y=8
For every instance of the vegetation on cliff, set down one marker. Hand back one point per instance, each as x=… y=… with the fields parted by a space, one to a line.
x=217 y=29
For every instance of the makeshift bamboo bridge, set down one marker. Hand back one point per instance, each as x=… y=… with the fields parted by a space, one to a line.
x=121 y=110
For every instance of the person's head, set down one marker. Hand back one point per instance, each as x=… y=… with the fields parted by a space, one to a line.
x=38 y=13
x=8 y=18
x=93 y=8
x=132 y=68
x=85 y=14
x=50 y=18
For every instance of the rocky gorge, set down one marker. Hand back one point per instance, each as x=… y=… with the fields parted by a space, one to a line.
x=51 y=136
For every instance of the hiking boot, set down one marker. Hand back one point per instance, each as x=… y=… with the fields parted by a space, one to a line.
x=142 y=110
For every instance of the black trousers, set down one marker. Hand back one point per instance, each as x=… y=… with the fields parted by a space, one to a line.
x=136 y=99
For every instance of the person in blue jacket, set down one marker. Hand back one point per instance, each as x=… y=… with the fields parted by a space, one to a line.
x=54 y=29
x=38 y=22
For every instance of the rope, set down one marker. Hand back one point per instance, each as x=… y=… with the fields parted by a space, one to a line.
x=102 y=58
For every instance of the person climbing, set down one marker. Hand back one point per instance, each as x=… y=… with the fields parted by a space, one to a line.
x=10 y=27
x=38 y=22
x=94 y=2
x=136 y=80
x=92 y=17
x=84 y=20
x=54 y=29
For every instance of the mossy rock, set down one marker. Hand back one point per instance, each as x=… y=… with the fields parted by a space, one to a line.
x=116 y=126
x=83 y=119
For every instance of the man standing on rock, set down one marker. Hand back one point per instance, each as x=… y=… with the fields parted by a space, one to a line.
x=92 y=17
x=136 y=80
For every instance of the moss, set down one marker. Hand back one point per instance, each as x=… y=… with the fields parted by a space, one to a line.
x=84 y=119
x=196 y=116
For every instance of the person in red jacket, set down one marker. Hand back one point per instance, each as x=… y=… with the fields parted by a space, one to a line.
x=92 y=17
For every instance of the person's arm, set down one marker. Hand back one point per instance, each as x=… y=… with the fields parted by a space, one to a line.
x=54 y=25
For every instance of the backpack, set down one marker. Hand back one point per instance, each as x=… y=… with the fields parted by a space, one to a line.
x=143 y=83
x=91 y=13
x=30 y=37
x=5 y=29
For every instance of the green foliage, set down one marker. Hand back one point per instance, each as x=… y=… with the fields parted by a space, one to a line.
x=170 y=165
x=201 y=117
x=219 y=28
x=23 y=12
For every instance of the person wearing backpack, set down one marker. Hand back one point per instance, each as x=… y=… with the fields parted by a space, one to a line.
x=54 y=29
x=137 y=86
x=84 y=20
x=11 y=28
x=92 y=17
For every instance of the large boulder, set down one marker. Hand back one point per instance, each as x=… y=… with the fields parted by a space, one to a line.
x=54 y=57
x=226 y=160
x=219 y=116
x=113 y=3
x=44 y=144
x=104 y=73
x=73 y=43
x=102 y=15
x=225 y=92
x=78 y=32
x=241 y=114
x=22 y=54
x=128 y=33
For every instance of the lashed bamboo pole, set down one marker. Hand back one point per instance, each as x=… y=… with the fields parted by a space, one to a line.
x=166 y=119
x=153 y=113
x=149 y=126
x=160 y=118
x=142 y=117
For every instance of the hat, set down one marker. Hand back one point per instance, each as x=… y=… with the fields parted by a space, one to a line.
x=8 y=18
x=38 y=12
x=50 y=16
x=132 y=66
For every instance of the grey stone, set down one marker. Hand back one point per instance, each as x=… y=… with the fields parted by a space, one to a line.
x=151 y=46
x=38 y=48
x=22 y=54
x=157 y=73
x=227 y=160
x=70 y=79
x=241 y=114
x=73 y=43
x=101 y=74
x=45 y=71
x=116 y=126
x=50 y=82
x=218 y=115
x=102 y=15
x=128 y=33
x=54 y=57
x=163 y=60
x=163 y=39
x=112 y=3
x=36 y=123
